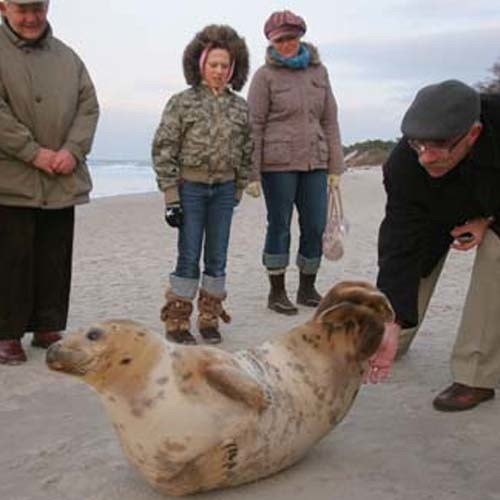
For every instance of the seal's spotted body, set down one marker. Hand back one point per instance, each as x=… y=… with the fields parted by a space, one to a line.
x=194 y=418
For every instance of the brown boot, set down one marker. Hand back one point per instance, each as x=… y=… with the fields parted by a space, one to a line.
x=45 y=339
x=210 y=310
x=307 y=295
x=176 y=313
x=278 y=300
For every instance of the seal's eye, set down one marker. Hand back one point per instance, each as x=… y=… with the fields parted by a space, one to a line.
x=94 y=334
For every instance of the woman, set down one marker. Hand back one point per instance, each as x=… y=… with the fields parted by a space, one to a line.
x=297 y=151
x=202 y=156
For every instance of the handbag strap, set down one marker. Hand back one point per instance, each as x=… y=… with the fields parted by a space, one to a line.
x=331 y=203
x=335 y=206
x=338 y=198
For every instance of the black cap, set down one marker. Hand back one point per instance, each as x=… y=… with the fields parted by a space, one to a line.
x=442 y=111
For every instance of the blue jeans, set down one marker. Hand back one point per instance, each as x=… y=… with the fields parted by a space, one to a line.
x=208 y=211
x=308 y=192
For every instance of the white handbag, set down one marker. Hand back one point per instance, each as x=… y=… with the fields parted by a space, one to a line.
x=336 y=228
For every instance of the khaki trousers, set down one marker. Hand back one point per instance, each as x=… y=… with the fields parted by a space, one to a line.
x=475 y=358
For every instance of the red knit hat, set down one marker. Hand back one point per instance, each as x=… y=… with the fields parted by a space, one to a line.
x=283 y=23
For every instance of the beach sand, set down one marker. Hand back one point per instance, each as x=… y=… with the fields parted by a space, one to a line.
x=57 y=443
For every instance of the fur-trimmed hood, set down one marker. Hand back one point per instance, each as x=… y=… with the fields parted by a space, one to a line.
x=312 y=49
x=217 y=36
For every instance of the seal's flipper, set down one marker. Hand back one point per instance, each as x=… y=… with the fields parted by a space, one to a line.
x=207 y=471
x=236 y=385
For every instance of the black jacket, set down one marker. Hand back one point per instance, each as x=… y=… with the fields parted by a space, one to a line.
x=421 y=210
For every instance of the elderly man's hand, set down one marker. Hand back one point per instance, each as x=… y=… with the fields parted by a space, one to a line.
x=379 y=365
x=253 y=189
x=44 y=160
x=470 y=234
x=64 y=162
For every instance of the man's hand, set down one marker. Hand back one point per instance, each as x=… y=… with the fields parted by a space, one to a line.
x=253 y=189
x=173 y=214
x=44 y=160
x=381 y=362
x=475 y=231
x=64 y=162
x=333 y=180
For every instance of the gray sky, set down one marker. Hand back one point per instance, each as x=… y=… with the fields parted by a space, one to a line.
x=378 y=53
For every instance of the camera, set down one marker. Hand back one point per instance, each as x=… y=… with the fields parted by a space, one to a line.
x=465 y=237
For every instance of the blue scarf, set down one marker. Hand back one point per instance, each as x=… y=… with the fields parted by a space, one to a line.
x=300 y=61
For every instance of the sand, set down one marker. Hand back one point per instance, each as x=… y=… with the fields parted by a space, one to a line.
x=56 y=442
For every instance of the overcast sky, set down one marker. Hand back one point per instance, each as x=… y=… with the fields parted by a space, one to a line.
x=378 y=53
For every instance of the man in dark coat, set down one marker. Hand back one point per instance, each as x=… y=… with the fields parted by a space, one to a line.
x=443 y=191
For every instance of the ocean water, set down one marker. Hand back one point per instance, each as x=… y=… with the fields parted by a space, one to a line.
x=111 y=178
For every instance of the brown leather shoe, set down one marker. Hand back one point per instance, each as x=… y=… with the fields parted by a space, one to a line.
x=11 y=352
x=458 y=397
x=45 y=339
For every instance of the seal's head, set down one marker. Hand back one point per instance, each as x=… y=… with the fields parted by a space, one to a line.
x=359 y=311
x=104 y=351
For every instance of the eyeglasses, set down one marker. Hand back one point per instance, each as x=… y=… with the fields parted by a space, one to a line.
x=441 y=148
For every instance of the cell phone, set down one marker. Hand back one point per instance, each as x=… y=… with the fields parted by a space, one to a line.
x=465 y=237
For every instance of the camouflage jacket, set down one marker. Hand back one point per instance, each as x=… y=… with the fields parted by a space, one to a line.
x=202 y=138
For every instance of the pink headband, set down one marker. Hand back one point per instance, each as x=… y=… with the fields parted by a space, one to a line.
x=203 y=60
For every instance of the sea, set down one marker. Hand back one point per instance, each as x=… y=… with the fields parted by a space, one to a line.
x=115 y=177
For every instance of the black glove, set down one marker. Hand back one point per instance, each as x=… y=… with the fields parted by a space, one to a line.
x=173 y=214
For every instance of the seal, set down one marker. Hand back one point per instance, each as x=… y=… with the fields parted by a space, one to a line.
x=195 y=418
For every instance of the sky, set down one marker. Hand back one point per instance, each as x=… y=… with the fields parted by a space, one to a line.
x=378 y=54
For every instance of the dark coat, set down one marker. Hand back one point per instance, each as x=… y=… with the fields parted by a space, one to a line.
x=421 y=211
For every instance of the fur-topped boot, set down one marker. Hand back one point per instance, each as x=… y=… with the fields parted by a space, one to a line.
x=210 y=310
x=176 y=313
x=307 y=295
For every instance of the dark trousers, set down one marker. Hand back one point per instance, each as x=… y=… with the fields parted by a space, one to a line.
x=36 y=249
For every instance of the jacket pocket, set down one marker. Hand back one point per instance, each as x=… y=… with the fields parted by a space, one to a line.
x=192 y=157
x=284 y=100
x=237 y=136
x=323 y=150
x=317 y=95
x=276 y=153
x=19 y=180
x=83 y=180
x=195 y=141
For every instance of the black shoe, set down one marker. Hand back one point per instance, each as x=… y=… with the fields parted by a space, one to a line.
x=459 y=397
x=278 y=300
x=211 y=335
x=307 y=295
x=281 y=304
x=181 y=337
